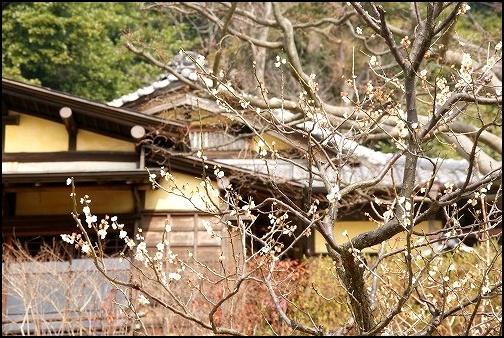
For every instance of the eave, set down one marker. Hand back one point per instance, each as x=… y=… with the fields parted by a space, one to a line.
x=97 y=117
x=128 y=176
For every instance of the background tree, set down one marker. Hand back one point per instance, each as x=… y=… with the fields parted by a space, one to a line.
x=413 y=84
x=77 y=48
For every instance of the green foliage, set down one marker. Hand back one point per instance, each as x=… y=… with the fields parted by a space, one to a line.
x=485 y=16
x=319 y=293
x=77 y=48
x=316 y=289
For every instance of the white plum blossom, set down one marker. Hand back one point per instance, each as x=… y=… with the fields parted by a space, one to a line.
x=245 y=104
x=334 y=194
x=139 y=256
x=387 y=215
x=402 y=130
x=122 y=234
x=102 y=233
x=141 y=252
x=466 y=69
x=208 y=227
x=373 y=61
x=158 y=256
x=143 y=300
x=174 y=276
x=86 y=248
x=370 y=87
x=444 y=91
x=68 y=239
x=485 y=290
x=280 y=61
x=131 y=243
x=142 y=246
x=90 y=219
x=463 y=9
x=219 y=173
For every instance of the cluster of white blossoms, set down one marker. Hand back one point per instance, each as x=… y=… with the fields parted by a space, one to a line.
x=165 y=174
x=388 y=214
x=244 y=104
x=401 y=127
x=156 y=261
x=76 y=240
x=224 y=105
x=334 y=194
x=463 y=9
x=280 y=61
x=406 y=207
x=209 y=229
x=465 y=73
x=313 y=207
x=262 y=149
x=281 y=223
x=479 y=195
x=405 y=42
x=142 y=300
x=218 y=172
x=344 y=98
x=271 y=249
x=449 y=187
x=314 y=86
x=373 y=61
x=444 y=92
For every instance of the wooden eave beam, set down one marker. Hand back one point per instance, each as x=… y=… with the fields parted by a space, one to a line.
x=66 y=115
x=10 y=120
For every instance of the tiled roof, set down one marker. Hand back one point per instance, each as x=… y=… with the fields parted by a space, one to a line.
x=446 y=171
x=182 y=64
x=370 y=162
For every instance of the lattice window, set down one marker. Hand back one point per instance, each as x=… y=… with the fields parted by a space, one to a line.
x=217 y=141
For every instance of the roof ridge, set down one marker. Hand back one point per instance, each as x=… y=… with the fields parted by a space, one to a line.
x=183 y=63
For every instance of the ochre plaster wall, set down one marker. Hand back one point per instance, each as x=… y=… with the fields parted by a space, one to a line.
x=355 y=228
x=279 y=145
x=59 y=202
x=87 y=140
x=35 y=135
x=161 y=200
